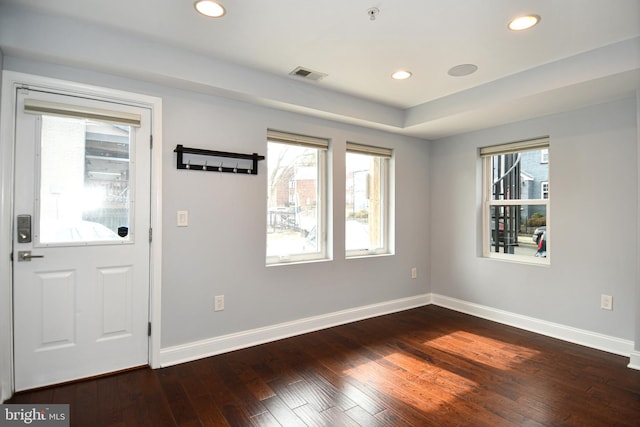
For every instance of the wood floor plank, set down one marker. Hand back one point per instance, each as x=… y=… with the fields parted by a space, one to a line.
x=246 y=375
x=282 y=413
x=337 y=417
x=180 y=405
x=264 y=420
x=155 y=401
x=359 y=398
x=328 y=417
x=87 y=403
x=108 y=402
x=363 y=417
x=209 y=412
x=235 y=415
x=287 y=392
x=251 y=404
x=423 y=367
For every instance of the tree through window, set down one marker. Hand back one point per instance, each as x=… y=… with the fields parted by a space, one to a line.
x=296 y=207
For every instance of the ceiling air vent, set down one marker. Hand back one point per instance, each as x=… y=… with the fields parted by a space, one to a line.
x=307 y=74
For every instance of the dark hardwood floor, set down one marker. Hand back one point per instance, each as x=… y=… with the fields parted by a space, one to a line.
x=423 y=367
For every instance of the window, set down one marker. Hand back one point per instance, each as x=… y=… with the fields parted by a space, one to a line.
x=516 y=201
x=367 y=200
x=544 y=189
x=296 y=206
x=84 y=177
x=544 y=155
x=84 y=181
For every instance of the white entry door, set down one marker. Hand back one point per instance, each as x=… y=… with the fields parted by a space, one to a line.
x=81 y=238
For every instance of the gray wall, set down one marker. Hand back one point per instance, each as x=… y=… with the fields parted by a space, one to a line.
x=593 y=182
x=222 y=252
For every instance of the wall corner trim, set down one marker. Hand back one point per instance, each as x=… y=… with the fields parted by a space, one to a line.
x=235 y=341
x=555 y=330
x=634 y=360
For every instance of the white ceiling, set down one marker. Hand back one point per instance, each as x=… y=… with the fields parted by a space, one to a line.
x=583 y=51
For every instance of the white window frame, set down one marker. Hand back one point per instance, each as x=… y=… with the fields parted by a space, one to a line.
x=322 y=145
x=386 y=154
x=486 y=154
x=544 y=189
x=544 y=156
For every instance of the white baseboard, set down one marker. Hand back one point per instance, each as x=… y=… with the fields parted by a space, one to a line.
x=226 y=343
x=566 y=333
x=223 y=344
x=634 y=360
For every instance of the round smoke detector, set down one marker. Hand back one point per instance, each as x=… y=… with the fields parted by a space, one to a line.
x=373 y=13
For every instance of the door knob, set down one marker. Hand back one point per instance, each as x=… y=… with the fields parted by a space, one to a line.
x=26 y=256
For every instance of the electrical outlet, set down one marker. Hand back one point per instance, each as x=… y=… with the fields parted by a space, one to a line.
x=183 y=218
x=606 y=302
x=218 y=303
x=414 y=273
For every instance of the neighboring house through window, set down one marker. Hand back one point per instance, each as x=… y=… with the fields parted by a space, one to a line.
x=516 y=201
x=297 y=202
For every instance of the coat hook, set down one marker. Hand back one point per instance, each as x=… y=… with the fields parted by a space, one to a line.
x=216 y=161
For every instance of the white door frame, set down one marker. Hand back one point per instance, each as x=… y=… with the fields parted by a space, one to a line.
x=11 y=80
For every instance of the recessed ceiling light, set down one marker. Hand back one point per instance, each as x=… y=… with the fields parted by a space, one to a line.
x=209 y=8
x=463 y=70
x=523 y=22
x=401 y=75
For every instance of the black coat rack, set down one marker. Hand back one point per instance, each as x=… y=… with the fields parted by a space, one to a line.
x=217 y=165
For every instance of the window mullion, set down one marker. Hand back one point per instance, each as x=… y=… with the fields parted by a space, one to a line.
x=516 y=202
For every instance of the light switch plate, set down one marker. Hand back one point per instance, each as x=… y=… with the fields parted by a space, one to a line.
x=606 y=302
x=218 y=303
x=183 y=218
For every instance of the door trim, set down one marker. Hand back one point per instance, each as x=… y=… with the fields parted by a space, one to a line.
x=10 y=81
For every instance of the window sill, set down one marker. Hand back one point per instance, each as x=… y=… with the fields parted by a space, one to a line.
x=368 y=255
x=516 y=259
x=296 y=262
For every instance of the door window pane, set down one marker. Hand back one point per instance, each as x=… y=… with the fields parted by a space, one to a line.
x=84 y=193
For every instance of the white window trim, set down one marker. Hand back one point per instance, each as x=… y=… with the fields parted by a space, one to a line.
x=487 y=153
x=322 y=145
x=544 y=156
x=543 y=191
x=385 y=179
